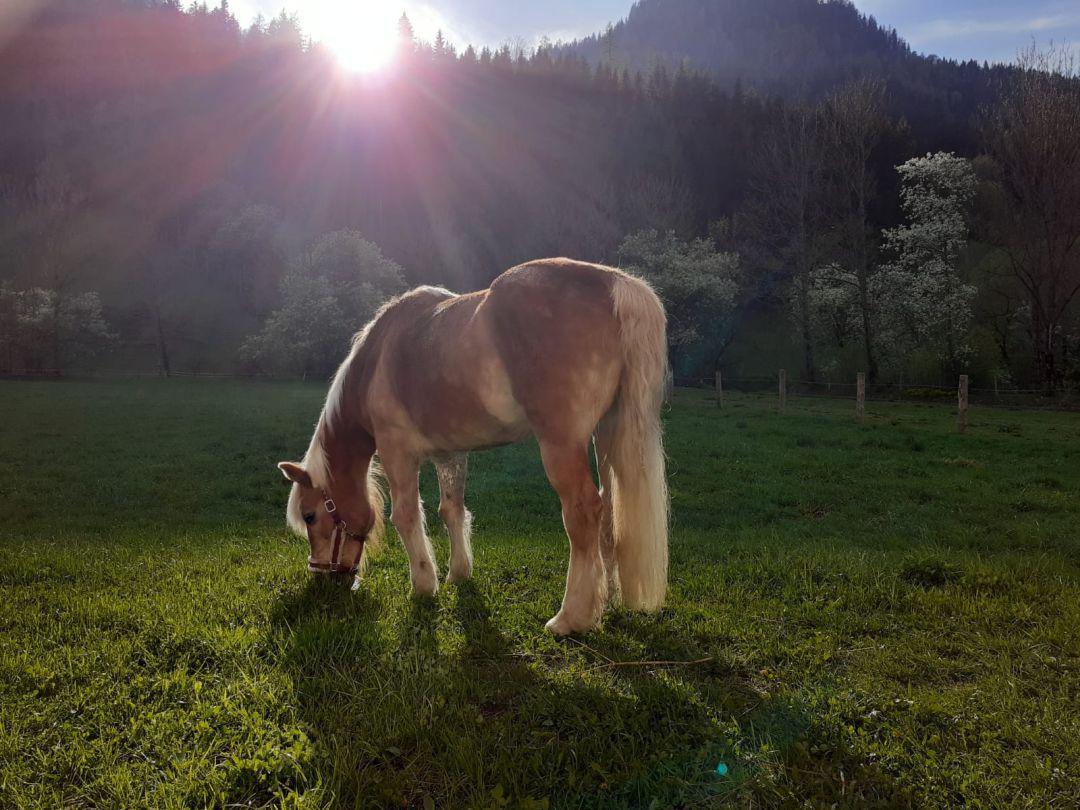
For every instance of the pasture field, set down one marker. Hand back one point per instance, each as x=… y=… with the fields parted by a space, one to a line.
x=886 y=613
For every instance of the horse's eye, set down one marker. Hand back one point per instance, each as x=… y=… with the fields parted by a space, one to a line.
x=309 y=518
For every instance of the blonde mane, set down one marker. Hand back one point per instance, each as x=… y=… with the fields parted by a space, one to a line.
x=334 y=399
x=315 y=461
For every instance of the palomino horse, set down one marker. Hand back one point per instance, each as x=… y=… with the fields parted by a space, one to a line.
x=569 y=352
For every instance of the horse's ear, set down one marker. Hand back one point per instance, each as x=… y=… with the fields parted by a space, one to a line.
x=295 y=473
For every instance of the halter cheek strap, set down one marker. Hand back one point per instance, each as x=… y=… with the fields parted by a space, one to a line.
x=338 y=541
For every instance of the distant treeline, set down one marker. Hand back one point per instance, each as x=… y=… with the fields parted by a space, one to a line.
x=177 y=192
x=798 y=50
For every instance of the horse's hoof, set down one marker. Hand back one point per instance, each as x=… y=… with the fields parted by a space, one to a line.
x=455 y=577
x=560 y=626
x=425 y=589
x=557 y=627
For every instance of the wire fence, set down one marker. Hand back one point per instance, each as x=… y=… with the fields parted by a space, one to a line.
x=113 y=374
x=783 y=387
x=1000 y=396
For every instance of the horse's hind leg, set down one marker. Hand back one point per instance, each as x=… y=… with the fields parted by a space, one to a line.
x=567 y=468
x=603 y=441
x=408 y=518
x=451 y=470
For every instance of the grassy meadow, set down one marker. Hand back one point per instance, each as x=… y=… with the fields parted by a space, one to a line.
x=885 y=613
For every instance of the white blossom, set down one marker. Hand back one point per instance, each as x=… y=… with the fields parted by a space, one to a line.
x=922 y=299
x=916 y=297
x=698 y=284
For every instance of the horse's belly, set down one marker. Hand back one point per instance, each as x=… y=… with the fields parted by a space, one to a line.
x=496 y=396
x=496 y=418
x=469 y=406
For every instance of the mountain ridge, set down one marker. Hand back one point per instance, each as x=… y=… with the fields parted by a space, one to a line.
x=798 y=49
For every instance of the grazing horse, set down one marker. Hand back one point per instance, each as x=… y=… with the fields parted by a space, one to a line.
x=569 y=352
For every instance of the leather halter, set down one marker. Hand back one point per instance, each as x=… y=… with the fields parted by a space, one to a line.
x=341 y=534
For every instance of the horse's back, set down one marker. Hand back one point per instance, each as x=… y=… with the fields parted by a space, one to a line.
x=537 y=296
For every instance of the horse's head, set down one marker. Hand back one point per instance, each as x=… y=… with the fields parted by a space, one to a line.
x=337 y=532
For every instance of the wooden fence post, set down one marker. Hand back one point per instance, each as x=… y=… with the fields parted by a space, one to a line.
x=783 y=390
x=860 y=396
x=962 y=410
x=719 y=391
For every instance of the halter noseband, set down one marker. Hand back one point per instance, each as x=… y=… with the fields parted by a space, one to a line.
x=341 y=534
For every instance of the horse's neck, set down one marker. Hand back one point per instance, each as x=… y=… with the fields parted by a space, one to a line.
x=347 y=445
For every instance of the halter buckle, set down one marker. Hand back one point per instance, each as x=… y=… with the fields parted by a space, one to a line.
x=331 y=507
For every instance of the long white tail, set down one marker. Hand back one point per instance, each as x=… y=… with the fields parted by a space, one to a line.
x=639 y=493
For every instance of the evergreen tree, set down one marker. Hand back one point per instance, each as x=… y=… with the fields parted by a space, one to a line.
x=406 y=37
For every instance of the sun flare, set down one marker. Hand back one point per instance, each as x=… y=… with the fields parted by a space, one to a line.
x=361 y=33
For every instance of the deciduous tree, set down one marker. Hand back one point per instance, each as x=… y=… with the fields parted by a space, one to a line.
x=922 y=300
x=699 y=286
x=855 y=124
x=329 y=292
x=785 y=217
x=1033 y=139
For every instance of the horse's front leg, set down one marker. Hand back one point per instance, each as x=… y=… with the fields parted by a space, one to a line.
x=567 y=468
x=451 y=470
x=407 y=515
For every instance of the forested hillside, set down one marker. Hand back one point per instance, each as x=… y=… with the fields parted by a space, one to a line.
x=799 y=49
x=181 y=194
x=177 y=165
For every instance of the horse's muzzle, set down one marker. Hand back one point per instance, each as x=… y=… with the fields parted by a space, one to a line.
x=338 y=574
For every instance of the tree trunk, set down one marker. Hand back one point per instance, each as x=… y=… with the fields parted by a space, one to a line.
x=1043 y=343
x=54 y=337
x=163 y=347
x=867 y=328
x=809 y=366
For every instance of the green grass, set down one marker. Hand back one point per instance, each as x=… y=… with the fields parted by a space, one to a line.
x=889 y=613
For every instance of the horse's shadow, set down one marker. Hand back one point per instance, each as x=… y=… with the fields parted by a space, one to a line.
x=482 y=636
x=321 y=600
x=442 y=700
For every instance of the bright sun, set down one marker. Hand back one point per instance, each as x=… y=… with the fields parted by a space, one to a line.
x=361 y=33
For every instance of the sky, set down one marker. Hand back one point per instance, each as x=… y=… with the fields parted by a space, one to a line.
x=993 y=30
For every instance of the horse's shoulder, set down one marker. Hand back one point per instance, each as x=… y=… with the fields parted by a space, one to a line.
x=422 y=296
x=414 y=303
x=428 y=290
